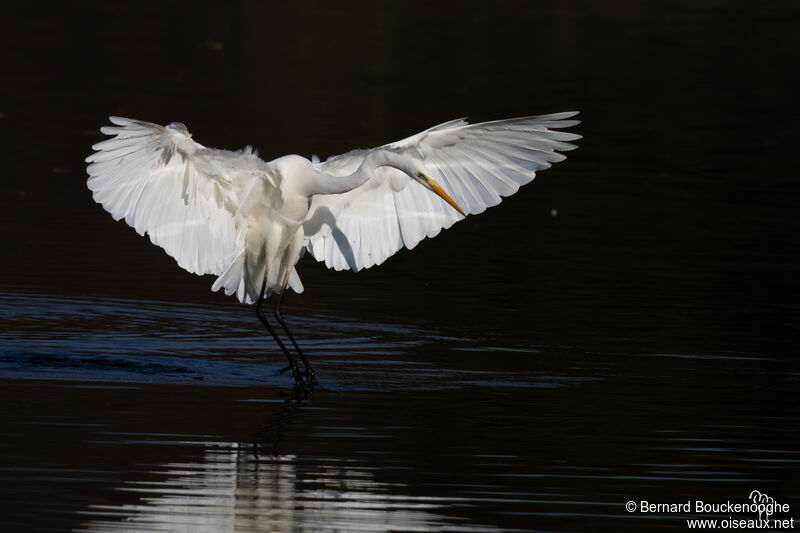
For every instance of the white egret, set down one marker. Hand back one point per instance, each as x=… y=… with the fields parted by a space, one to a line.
x=249 y=221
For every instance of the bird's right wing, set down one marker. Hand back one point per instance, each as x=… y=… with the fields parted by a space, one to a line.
x=185 y=196
x=476 y=164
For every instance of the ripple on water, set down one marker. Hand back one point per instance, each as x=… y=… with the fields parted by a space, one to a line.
x=100 y=339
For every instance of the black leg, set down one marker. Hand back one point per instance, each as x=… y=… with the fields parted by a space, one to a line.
x=282 y=322
x=263 y=319
x=309 y=370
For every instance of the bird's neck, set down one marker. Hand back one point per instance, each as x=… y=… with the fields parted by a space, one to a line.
x=325 y=183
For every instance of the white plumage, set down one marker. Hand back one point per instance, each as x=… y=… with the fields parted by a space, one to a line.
x=240 y=218
x=476 y=164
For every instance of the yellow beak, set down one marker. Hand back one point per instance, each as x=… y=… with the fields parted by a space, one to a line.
x=438 y=190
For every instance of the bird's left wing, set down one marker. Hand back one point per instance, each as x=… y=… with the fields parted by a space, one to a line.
x=183 y=195
x=476 y=164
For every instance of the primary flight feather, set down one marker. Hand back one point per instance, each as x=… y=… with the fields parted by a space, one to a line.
x=248 y=221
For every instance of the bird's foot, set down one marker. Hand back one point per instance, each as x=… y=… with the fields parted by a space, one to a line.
x=310 y=378
x=284 y=370
x=302 y=391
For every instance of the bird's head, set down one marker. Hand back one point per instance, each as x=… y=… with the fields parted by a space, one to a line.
x=429 y=183
x=413 y=168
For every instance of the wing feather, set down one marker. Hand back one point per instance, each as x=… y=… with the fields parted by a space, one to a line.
x=185 y=196
x=477 y=164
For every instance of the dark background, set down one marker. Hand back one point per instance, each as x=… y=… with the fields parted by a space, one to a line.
x=676 y=212
x=668 y=276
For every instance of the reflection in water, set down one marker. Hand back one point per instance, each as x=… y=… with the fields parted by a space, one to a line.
x=233 y=488
x=150 y=457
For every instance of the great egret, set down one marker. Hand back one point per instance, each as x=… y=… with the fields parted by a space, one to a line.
x=249 y=221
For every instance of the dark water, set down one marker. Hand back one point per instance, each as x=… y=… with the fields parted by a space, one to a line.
x=624 y=328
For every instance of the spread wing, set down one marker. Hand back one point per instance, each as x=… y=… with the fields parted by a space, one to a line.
x=186 y=197
x=477 y=164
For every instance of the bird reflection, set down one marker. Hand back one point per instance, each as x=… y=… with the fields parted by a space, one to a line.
x=234 y=489
x=257 y=487
x=271 y=434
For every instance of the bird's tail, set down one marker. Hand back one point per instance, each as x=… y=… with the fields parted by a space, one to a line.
x=234 y=281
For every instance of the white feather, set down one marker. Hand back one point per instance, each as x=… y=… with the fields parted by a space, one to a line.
x=476 y=164
x=186 y=197
x=233 y=215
